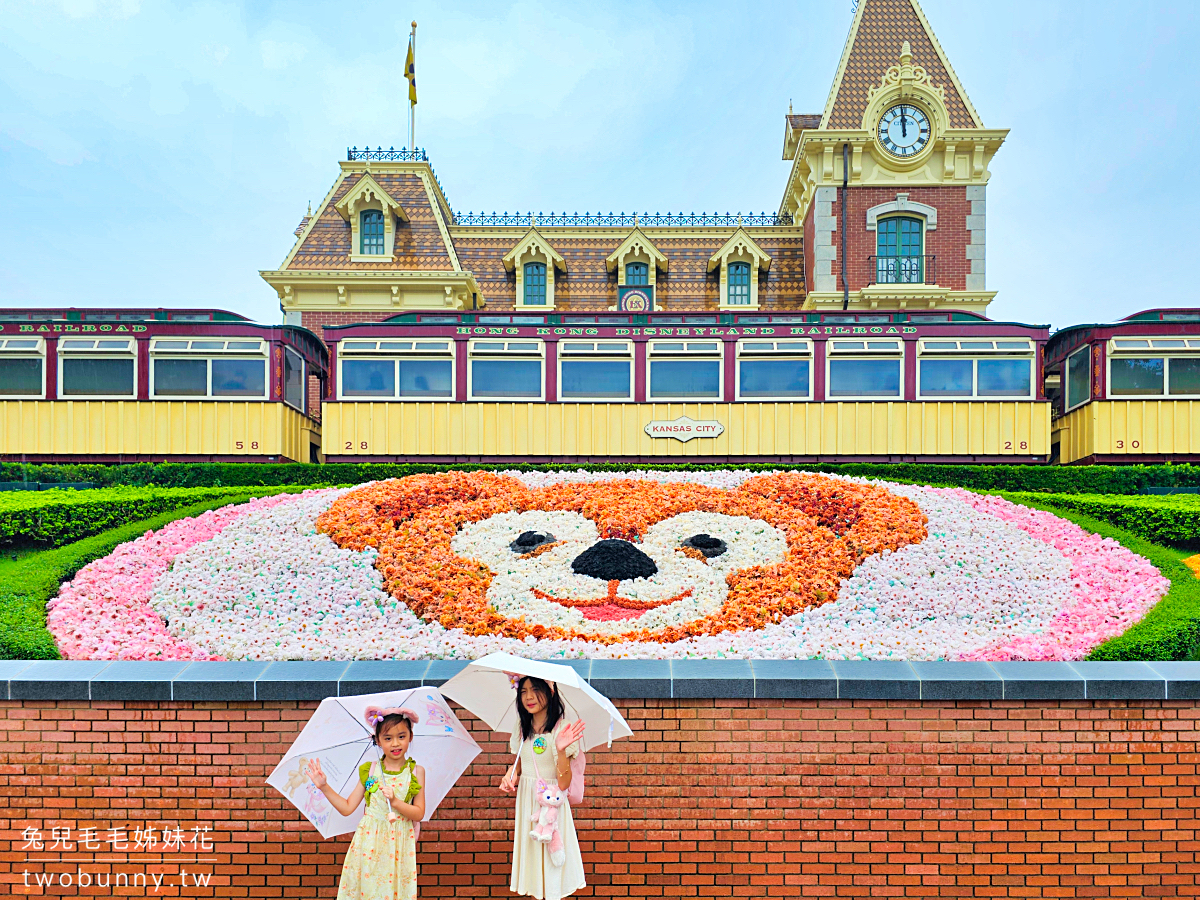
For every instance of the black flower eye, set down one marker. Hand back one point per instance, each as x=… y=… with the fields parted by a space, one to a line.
x=528 y=541
x=706 y=544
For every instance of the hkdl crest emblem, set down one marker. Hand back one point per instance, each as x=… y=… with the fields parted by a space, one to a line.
x=635 y=300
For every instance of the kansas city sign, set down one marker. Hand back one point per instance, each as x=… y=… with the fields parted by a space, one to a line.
x=684 y=429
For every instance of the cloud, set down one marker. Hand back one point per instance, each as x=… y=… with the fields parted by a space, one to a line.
x=281 y=54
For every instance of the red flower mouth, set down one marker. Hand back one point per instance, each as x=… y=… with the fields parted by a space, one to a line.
x=611 y=607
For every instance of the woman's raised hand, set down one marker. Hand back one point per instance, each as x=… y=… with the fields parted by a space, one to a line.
x=315 y=775
x=569 y=735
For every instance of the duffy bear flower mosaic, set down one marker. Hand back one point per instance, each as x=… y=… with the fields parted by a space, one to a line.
x=579 y=564
x=617 y=560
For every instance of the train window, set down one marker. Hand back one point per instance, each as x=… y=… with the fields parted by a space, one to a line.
x=21 y=368
x=96 y=368
x=1136 y=376
x=293 y=379
x=509 y=370
x=1004 y=377
x=864 y=369
x=1134 y=370
x=685 y=370
x=1184 y=376
x=405 y=370
x=239 y=378
x=180 y=377
x=368 y=378
x=209 y=367
x=775 y=370
x=1079 y=382
x=595 y=370
x=947 y=377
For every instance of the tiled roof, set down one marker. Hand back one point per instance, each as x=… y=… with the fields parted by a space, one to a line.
x=883 y=27
x=685 y=284
x=803 y=121
x=419 y=244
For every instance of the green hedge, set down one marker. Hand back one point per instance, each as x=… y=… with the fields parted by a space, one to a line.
x=1042 y=479
x=1171 y=630
x=1173 y=520
x=55 y=518
x=27 y=583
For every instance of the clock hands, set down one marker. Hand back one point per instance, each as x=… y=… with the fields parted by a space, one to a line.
x=903 y=123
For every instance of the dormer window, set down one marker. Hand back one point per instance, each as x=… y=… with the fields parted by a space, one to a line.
x=740 y=264
x=739 y=284
x=371 y=231
x=534 y=265
x=637 y=273
x=535 y=284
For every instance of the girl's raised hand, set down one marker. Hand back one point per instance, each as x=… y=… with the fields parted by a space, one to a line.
x=387 y=790
x=569 y=735
x=315 y=774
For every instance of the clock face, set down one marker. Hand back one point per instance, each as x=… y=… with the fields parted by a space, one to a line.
x=904 y=130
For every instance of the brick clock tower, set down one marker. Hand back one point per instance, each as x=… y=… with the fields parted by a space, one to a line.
x=889 y=181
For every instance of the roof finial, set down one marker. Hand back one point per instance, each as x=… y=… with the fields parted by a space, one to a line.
x=789 y=106
x=310 y=207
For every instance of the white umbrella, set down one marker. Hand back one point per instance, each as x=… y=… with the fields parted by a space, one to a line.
x=483 y=687
x=338 y=735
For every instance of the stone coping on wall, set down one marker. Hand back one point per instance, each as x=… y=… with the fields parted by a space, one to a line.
x=623 y=678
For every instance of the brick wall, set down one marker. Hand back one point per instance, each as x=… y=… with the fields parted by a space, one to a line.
x=821 y=798
x=948 y=242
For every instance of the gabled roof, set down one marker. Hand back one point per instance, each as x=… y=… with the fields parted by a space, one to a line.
x=533 y=241
x=740 y=242
x=636 y=239
x=879 y=30
x=367 y=189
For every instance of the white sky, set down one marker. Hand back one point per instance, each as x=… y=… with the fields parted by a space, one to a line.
x=161 y=153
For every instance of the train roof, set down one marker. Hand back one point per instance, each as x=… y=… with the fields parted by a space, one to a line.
x=305 y=340
x=1173 y=320
x=667 y=317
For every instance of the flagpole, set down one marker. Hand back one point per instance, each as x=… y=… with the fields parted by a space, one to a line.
x=412 y=107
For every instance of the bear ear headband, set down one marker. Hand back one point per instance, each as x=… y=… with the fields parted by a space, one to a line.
x=374 y=714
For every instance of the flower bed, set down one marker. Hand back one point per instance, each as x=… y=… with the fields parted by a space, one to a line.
x=645 y=564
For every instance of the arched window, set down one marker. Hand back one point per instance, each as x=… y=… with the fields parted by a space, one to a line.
x=535 y=284
x=371 y=230
x=900 y=256
x=637 y=273
x=739 y=284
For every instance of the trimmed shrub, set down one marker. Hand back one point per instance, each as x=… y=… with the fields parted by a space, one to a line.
x=27 y=583
x=1041 y=479
x=1173 y=519
x=55 y=518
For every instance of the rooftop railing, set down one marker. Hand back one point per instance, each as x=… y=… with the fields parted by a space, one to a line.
x=669 y=220
x=391 y=154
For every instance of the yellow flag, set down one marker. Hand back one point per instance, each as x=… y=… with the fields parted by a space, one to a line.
x=410 y=72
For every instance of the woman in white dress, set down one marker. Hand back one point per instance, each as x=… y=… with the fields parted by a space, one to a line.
x=544 y=746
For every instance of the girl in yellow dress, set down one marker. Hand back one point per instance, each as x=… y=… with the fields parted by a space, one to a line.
x=544 y=747
x=381 y=863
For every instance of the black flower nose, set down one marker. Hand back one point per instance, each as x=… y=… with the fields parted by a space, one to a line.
x=612 y=560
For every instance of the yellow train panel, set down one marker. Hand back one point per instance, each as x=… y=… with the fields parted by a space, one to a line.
x=617 y=430
x=1163 y=429
x=154 y=429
